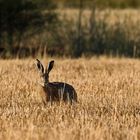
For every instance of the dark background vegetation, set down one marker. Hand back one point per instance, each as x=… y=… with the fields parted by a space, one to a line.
x=33 y=28
x=101 y=3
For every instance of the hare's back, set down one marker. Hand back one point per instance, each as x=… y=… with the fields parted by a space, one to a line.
x=62 y=85
x=67 y=90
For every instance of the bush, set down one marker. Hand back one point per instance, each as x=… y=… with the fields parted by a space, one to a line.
x=102 y=3
x=21 y=19
x=103 y=40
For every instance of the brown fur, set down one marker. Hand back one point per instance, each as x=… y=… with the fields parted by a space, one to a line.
x=55 y=91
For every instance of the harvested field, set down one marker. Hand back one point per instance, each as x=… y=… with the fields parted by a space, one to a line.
x=108 y=94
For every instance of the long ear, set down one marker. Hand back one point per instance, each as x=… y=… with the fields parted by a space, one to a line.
x=50 y=66
x=40 y=66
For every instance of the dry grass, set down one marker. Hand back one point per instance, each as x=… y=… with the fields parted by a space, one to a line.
x=111 y=16
x=108 y=108
x=128 y=19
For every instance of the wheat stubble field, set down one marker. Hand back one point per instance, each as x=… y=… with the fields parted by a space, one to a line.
x=108 y=108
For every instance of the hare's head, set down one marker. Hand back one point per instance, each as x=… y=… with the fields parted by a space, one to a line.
x=44 y=72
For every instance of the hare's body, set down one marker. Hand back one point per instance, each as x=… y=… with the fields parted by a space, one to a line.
x=58 y=91
x=55 y=91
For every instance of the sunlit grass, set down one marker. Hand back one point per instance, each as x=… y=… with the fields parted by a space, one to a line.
x=108 y=94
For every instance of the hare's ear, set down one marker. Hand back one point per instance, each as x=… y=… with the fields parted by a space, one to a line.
x=40 y=66
x=50 y=66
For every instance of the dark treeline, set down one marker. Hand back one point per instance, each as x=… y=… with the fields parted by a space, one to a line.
x=32 y=27
x=101 y=3
x=21 y=19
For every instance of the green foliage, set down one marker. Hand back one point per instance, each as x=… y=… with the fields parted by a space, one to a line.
x=103 y=3
x=33 y=27
x=47 y=4
x=103 y=40
x=20 y=19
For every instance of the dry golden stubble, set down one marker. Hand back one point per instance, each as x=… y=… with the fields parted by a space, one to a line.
x=108 y=108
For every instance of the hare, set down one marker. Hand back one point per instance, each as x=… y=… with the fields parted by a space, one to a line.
x=55 y=91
